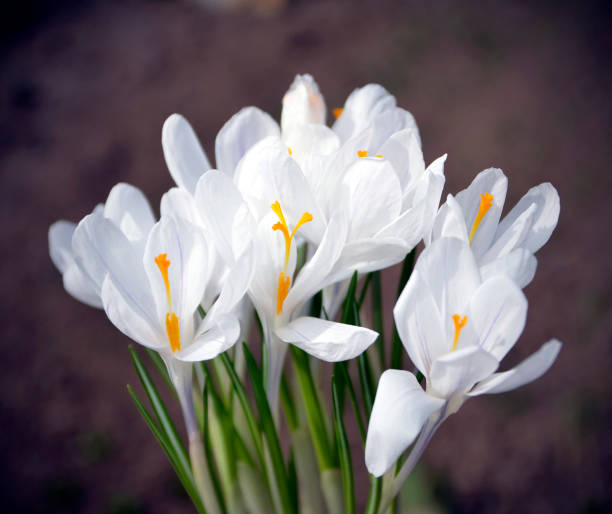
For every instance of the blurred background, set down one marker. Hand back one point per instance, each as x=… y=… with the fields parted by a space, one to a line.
x=84 y=90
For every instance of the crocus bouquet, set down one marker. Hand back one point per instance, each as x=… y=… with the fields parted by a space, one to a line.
x=291 y=230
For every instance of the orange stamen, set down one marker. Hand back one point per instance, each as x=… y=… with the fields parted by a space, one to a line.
x=362 y=153
x=172 y=321
x=337 y=112
x=486 y=201
x=459 y=324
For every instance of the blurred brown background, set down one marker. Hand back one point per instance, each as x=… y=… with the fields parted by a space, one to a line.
x=84 y=90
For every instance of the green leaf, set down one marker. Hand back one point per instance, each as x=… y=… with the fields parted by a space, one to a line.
x=341 y=370
x=214 y=477
x=344 y=451
x=184 y=475
x=377 y=314
x=269 y=430
x=165 y=422
x=325 y=451
x=374 y=496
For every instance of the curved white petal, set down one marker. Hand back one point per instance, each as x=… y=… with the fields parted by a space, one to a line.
x=129 y=209
x=419 y=324
x=448 y=267
x=327 y=340
x=221 y=336
x=532 y=368
x=185 y=158
x=512 y=237
x=247 y=127
x=519 y=265
x=400 y=410
x=494 y=182
x=498 y=310
x=120 y=310
x=267 y=174
x=371 y=195
x=546 y=199
x=302 y=103
x=361 y=106
x=404 y=152
x=457 y=372
x=100 y=248
x=225 y=214
x=185 y=248
x=180 y=203
x=449 y=222
x=75 y=281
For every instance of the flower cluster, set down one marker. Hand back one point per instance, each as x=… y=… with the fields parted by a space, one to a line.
x=289 y=214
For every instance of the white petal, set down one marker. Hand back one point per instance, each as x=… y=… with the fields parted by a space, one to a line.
x=184 y=155
x=519 y=266
x=327 y=340
x=532 y=368
x=309 y=143
x=362 y=105
x=100 y=248
x=180 y=203
x=220 y=337
x=371 y=195
x=512 y=237
x=491 y=181
x=546 y=198
x=403 y=151
x=267 y=174
x=225 y=214
x=129 y=208
x=303 y=103
x=120 y=310
x=80 y=287
x=458 y=371
x=247 y=127
x=185 y=248
x=60 y=244
x=419 y=324
x=498 y=310
x=449 y=222
x=400 y=410
x=367 y=255
x=448 y=267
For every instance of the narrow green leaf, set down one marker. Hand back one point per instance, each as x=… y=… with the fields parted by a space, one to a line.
x=269 y=430
x=325 y=451
x=288 y=406
x=341 y=369
x=214 y=476
x=344 y=451
x=347 y=310
x=165 y=422
x=364 y=290
x=246 y=407
x=184 y=476
x=374 y=496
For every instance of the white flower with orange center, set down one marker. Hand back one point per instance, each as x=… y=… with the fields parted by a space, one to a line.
x=503 y=247
x=456 y=328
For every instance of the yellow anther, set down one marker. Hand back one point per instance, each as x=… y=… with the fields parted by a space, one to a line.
x=284 y=281
x=379 y=156
x=172 y=321
x=362 y=153
x=172 y=329
x=163 y=264
x=337 y=112
x=459 y=324
x=289 y=150
x=486 y=201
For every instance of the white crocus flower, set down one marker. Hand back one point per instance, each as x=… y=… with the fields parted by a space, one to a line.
x=126 y=207
x=456 y=328
x=503 y=247
x=270 y=205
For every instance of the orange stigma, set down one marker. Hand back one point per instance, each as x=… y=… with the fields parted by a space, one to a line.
x=362 y=153
x=486 y=201
x=284 y=281
x=459 y=324
x=172 y=321
x=338 y=112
